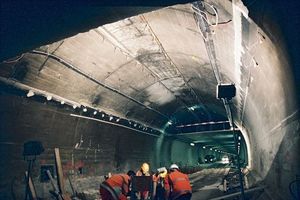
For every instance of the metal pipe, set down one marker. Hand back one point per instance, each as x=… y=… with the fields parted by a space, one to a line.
x=201 y=132
x=106 y=122
x=36 y=91
x=79 y=71
x=209 y=44
x=21 y=86
x=235 y=136
x=203 y=123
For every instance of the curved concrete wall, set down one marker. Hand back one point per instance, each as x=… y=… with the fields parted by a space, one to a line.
x=105 y=148
x=267 y=111
x=271 y=112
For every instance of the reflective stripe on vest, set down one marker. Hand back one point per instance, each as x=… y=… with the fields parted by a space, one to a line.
x=179 y=193
x=110 y=190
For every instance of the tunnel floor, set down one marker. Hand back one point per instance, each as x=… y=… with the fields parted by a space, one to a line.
x=207 y=183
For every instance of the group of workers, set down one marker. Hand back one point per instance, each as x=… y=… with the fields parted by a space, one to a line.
x=166 y=185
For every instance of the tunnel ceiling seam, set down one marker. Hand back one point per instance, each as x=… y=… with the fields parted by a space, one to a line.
x=57 y=58
x=123 y=49
x=168 y=57
x=180 y=74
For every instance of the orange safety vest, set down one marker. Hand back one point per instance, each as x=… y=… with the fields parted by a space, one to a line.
x=177 y=184
x=117 y=185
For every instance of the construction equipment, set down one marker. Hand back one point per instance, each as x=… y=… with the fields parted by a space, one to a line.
x=31 y=150
x=31 y=188
x=60 y=176
x=55 y=191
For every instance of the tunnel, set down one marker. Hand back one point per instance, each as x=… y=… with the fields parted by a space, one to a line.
x=115 y=84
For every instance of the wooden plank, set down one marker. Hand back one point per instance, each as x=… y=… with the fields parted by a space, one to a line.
x=59 y=171
x=60 y=176
x=31 y=188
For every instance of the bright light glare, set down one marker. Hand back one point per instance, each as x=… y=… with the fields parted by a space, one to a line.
x=30 y=93
x=225 y=160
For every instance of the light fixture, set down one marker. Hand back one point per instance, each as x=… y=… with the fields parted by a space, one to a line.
x=62 y=102
x=191 y=108
x=203 y=147
x=170 y=122
x=95 y=112
x=49 y=97
x=192 y=144
x=210 y=149
x=30 y=93
x=84 y=109
x=74 y=106
x=240 y=138
x=102 y=115
x=111 y=118
x=118 y=119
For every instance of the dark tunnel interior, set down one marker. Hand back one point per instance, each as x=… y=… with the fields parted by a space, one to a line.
x=117 y=84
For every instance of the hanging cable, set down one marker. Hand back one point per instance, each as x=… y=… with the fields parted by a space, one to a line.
x=204 y=15
x=14 y=60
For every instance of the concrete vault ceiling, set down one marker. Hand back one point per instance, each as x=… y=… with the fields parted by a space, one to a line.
x=137 y=83
x=152 y=68
x=158 y=68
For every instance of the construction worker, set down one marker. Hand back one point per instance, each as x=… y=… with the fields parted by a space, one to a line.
x=116 y=187
x=158 y=184
x=177 y=185
x=143 y=171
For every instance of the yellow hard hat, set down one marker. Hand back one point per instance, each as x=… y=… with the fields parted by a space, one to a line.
x=145 y=168
x=163 y=174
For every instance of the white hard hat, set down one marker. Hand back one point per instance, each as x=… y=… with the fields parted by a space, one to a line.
x=174 y=166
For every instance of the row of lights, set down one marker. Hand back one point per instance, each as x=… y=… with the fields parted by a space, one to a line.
x=96 y=112
x=211 y=149
x=216 y=150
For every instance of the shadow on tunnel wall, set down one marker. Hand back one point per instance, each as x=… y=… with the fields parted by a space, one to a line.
x=88 y=149
x=285 y=166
